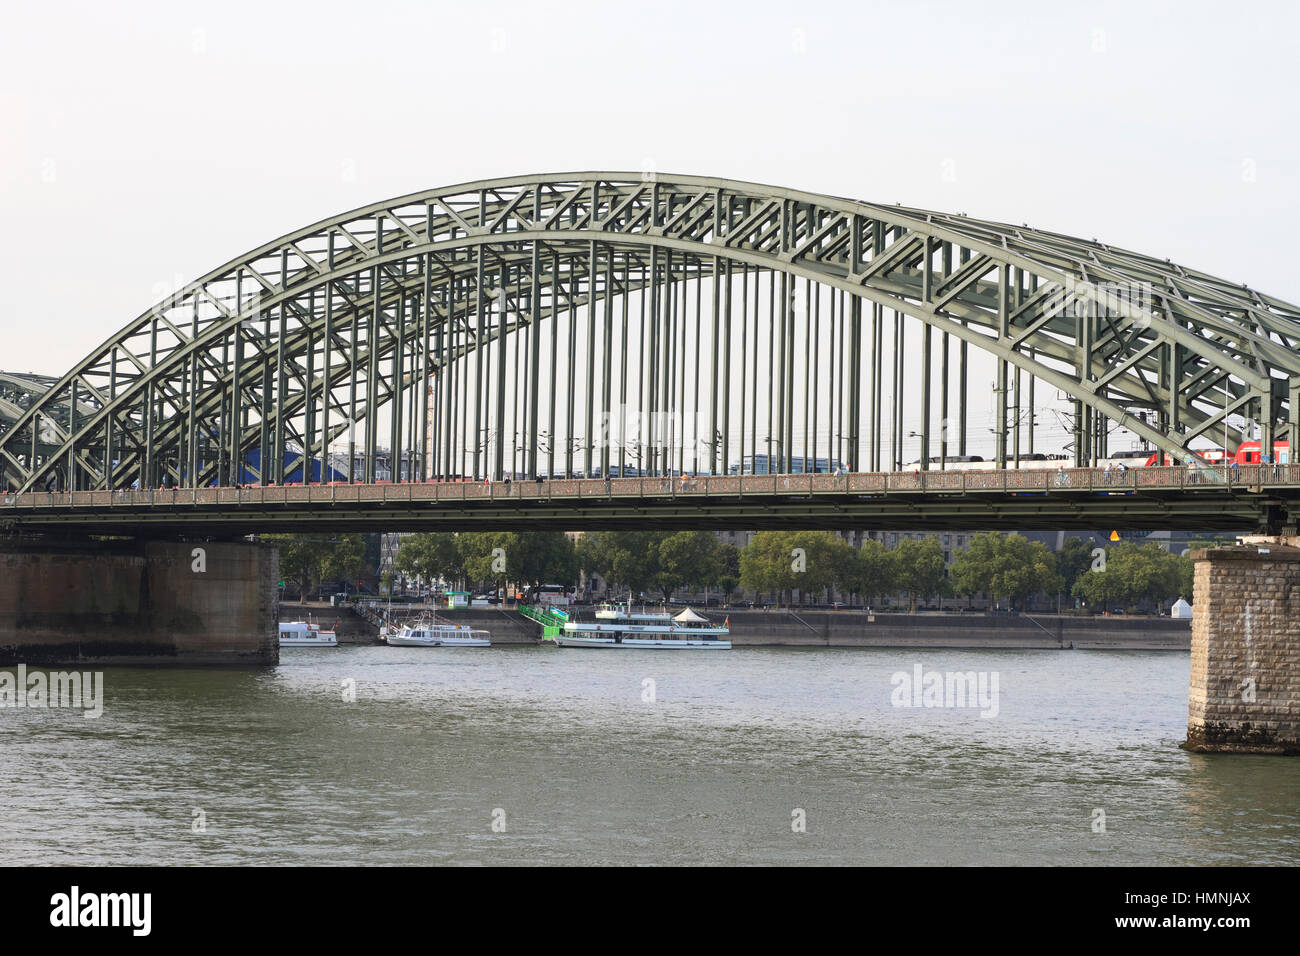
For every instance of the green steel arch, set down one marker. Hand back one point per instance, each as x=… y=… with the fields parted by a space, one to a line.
x=18 y=391
x=570 y=302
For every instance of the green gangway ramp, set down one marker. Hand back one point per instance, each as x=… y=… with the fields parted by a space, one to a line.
x=552 y=619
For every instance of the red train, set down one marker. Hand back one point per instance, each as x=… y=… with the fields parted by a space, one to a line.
x=1248 y=453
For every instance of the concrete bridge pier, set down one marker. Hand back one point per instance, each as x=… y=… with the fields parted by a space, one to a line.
x=1244 y=694
x=127 y=601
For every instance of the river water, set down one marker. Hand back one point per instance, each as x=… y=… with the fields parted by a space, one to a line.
x=531 y=755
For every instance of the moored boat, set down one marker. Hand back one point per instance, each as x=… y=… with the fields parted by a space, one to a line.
x=306 y=634
x=437 y=634
x=618 y=626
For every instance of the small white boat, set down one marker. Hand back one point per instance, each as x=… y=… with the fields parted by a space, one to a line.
x=619 y=626
x=306 y=634
x=437 y=635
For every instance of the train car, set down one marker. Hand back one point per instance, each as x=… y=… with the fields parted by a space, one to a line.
x=1248 y=453
x=978 y=463
x=1036 y=461
x=1129 y=458
x=1208 y=456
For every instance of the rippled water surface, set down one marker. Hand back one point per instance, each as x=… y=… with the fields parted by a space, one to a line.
x=564 y=749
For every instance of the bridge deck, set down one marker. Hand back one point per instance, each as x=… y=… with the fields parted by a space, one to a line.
x=1255 y=497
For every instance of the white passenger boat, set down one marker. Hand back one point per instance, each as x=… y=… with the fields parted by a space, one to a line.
x=617 y=625
x=437 y=634
x=305 y=634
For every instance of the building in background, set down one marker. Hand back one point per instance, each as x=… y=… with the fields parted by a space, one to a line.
x=407 y=462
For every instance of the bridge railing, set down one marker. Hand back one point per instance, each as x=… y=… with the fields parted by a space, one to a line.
x=1038 y=481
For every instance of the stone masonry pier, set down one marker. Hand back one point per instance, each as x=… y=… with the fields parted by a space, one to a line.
x=1244 y=695
x=137 y=602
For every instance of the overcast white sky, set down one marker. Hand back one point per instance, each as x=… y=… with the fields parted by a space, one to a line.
x=142 y=144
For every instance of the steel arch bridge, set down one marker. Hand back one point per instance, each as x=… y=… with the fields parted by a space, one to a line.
x=646 y=324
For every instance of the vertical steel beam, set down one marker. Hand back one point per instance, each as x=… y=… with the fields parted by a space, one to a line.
x=222 y=450
x=782 y=448
x=772 y=394
x=355 y=323
x=498 y=467
x=744 y=351
x=192 y=469
x=148 y=479
x=309 y=393
x=459 y=321
x=593 y=267
x=479 y=389
x=327 y=366
x=944 y=376
x=1004 y=279
x=675 y=337
x=816 y=371
x=235 y=433
x=714 y=435
x=1080 y=431
x=1292 y=416
x=900 y=341
x=372 y=377
x=877 y=385
x=110 y=466
x=807 y=383
x=641 y=460
x=72 y=483
x=281 y=403
x=447 y=371
x=622 y=375
x=532 y=408
x=927 y=295
x=427 y=427
x=1015 y=403
x=396 y=389
x=753 y=379
x=607 y=377
x=695 y=378
x=1174 y=355
x=790 y=321
x=1033 y=410
x=652 y=363
x=571 y=365
x=834 y=388
x=553 y=438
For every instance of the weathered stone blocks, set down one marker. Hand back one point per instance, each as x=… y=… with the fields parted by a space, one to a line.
x=1244 y=693
x=125 y=602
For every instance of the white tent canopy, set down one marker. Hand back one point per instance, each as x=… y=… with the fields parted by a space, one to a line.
x=690 y=617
